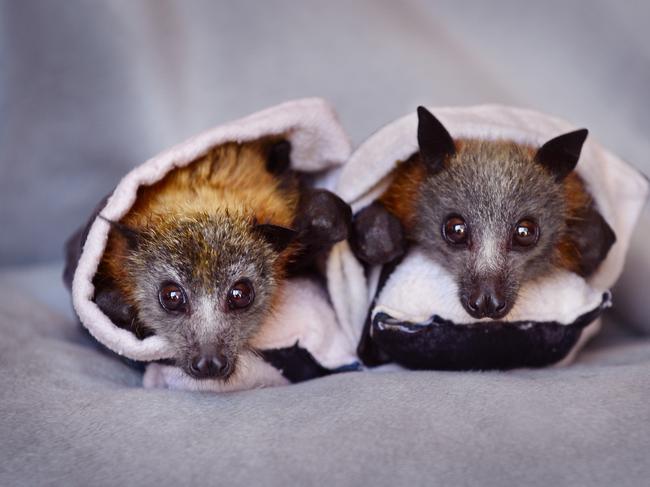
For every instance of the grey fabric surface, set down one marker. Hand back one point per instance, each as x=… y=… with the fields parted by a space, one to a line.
x=70 y=415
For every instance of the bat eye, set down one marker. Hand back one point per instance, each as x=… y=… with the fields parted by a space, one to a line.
x=455 y=230
x=241 y=295
x=172 y=298
x=525 y=234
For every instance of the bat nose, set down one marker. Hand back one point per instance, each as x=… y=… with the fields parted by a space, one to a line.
x=209 y=363
x=486 y=302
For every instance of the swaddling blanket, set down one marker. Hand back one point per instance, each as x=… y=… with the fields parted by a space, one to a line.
x=409 y=311
x=302 y=338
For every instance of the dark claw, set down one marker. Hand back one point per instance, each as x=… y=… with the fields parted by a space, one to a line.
x=324 y=219
x=377 y=235
x=119 y=311
x=593 y=238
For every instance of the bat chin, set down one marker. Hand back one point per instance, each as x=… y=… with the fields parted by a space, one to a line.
x=220 y=376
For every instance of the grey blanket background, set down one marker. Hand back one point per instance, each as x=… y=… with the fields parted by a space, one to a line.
x=90 y=89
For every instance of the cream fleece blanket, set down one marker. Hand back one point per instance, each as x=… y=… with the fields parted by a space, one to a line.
x=319 y=145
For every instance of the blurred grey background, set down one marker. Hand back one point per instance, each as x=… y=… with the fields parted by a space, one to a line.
x=89 y=89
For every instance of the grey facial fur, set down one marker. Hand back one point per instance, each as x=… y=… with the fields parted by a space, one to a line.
x=205 y=255
x=492 y=185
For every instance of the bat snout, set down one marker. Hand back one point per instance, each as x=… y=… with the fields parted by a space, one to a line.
x=209 y=363
x=486 y=300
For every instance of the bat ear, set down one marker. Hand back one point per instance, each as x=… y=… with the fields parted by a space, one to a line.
x=132 y=236
x=114 y=305
x=560 y=155
x=434 y=141
x=279 y=237
x=279 y=157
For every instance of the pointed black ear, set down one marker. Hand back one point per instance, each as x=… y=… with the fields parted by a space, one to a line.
x=131 y=235
x=113 y=304
x=279 y=158
x=434 y=140
x=278 y=237
x=560 y=155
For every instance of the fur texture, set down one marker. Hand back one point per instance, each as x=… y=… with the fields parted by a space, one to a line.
x=204 y=228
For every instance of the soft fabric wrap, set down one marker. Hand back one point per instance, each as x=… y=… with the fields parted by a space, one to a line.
x=412 y=311
x=319 y=145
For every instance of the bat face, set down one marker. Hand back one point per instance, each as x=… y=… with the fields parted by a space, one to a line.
x=492 y=212
x=199 y=257
x=205 y=284
x=492 y=218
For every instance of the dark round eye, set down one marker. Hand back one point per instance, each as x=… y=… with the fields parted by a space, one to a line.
x=525 y=234
x=455 y=230
x=172 y=297
x=241 y=295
